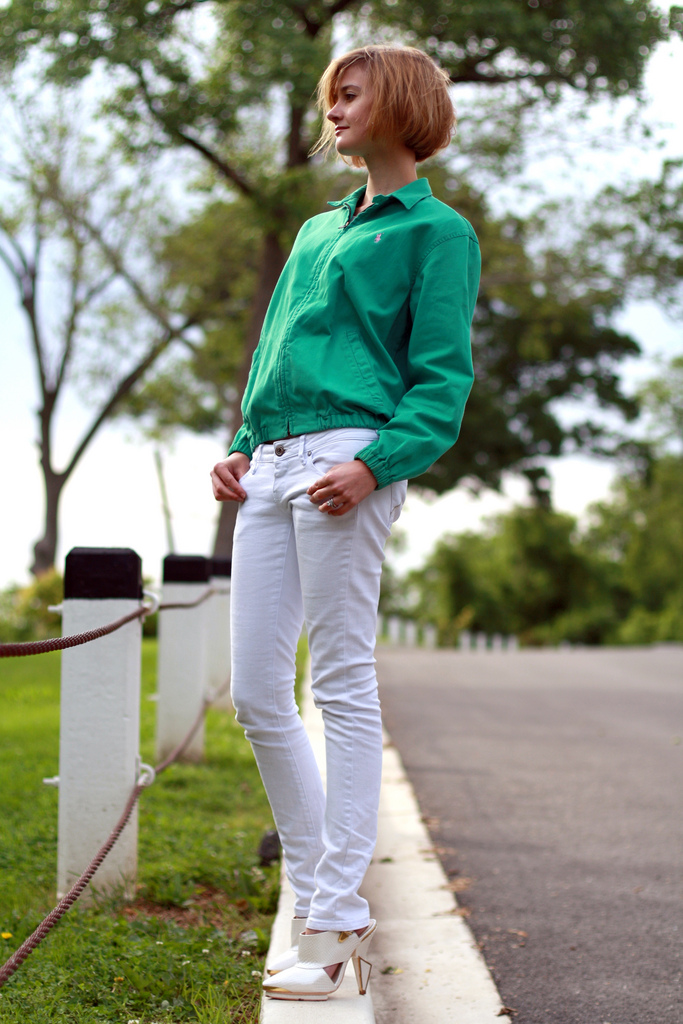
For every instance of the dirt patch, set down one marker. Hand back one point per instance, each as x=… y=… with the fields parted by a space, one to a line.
x=208 y=907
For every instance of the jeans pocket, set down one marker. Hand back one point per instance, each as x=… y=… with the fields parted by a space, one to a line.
x=399 y=491
x=340 y=446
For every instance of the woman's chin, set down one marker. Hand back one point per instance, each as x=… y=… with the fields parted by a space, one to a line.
x=347 y=151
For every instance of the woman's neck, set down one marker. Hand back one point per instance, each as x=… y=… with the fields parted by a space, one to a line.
x=389 y=172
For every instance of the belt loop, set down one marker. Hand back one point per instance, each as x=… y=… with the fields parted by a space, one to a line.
x=256 y=458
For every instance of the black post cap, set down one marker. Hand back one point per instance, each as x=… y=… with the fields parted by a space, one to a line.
x=221 y=566
x=187 y=569
x=100 y=573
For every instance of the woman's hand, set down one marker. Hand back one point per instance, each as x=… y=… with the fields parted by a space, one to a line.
x=225 y=477
x=344 y=485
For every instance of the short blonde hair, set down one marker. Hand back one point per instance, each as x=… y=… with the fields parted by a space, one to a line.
x=411 y=101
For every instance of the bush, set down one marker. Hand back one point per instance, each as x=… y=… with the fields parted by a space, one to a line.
x=24 y=611
x=647 y=627
x=596 y=624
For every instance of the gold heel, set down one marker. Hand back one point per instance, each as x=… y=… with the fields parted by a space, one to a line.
x=363 y=970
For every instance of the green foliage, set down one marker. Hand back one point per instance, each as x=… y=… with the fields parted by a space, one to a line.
x=594 y=45
x=24 y=611
x=640 y=529
x=188 y=947
x=527 y=571
x=662 y=400
x=635 y=233
x=539 y=335
x=532 y=573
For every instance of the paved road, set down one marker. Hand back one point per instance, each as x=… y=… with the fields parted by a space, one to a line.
x=553 y=785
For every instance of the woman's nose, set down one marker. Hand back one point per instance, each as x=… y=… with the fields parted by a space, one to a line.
x=333 y=114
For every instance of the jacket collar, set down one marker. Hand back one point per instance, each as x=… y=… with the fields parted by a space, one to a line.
x=408 y=195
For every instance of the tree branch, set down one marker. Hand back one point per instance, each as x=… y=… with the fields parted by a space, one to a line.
x=498 y=78
x=313 y=27
x=114 y=259
x=77 y=306
x=25 y=275
x=123 y=388
x=221 y=165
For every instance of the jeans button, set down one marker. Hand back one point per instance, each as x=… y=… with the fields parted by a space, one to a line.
x=279 y=449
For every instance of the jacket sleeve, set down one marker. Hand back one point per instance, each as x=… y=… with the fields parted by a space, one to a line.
x=241 y=443
x=427 y=419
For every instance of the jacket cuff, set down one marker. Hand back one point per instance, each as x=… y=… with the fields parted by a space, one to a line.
x=241 y=446
x=376 y=464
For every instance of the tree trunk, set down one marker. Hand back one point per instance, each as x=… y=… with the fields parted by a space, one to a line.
x=272 y=262
x=45 y=549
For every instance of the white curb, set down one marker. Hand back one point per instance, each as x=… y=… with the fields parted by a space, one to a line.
x=434 y=970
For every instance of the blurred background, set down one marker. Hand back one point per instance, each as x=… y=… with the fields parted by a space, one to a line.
x=153 y=175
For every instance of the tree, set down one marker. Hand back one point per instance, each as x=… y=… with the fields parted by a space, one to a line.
x=92 y=302
x=540 y=334
x=217 y=78
x=639 y=531
x=532 y=572
x=529 y=574
x=662 y=401
x=635 y=234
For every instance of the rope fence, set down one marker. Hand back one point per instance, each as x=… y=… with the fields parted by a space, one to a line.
x=61 y=643
x=145 y=775
x=50 y=920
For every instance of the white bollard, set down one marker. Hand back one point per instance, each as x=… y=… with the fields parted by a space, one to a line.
x=480 y=641
x=465 y=640
x=429 y=635
x=219 y=633
x=411 y=633
x=183 y=664
x=394 y=629
x=497 y=642
x=99 y=717
x=512 y=643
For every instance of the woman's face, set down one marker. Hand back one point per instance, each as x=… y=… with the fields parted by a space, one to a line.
x=351 y=112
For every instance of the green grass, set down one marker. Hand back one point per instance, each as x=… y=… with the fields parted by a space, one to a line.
x=190 y=946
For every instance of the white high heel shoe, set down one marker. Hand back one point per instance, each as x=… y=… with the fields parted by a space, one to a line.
x=290 y=956
x=308 y=979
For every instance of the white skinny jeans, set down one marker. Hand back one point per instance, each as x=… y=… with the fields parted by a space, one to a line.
x=293 y=563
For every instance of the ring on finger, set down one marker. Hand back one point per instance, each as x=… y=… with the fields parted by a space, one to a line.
x=331 y=503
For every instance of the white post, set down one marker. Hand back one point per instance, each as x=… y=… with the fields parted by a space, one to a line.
x=99 y=717
x=182 y=664
x=480 y=641
x=219 y=633
x=411 y=633
x=429 y=635
x=512 y=643
x=465 y=640
x=497 y=642
x=394 y=624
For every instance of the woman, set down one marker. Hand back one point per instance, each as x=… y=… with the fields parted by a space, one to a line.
x=359 y=381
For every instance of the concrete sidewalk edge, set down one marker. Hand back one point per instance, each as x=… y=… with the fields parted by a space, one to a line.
x=426 y=964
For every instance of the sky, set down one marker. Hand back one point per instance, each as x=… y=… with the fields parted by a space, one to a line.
x=113 y=499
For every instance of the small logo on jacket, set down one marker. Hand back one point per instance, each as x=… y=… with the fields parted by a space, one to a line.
x=378 y=236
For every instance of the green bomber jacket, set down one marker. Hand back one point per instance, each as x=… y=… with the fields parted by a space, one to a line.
x=369 y=326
